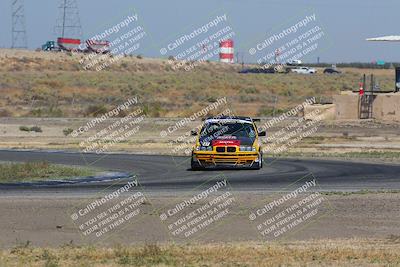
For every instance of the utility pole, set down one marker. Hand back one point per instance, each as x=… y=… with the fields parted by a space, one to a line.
x=18 y=25
x=68 y=24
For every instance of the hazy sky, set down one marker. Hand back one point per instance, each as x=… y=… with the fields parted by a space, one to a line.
x=345 y=23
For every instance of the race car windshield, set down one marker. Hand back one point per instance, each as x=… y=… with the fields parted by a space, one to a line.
x=215 y=130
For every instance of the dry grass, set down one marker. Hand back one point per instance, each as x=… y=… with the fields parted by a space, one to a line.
x=54 y=85
x=311 y=253
x=39 y=171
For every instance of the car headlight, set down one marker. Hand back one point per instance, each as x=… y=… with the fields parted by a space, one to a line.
x=247 y=148
x=204 y=148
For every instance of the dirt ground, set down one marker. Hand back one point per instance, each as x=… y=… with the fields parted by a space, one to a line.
x=46 y=221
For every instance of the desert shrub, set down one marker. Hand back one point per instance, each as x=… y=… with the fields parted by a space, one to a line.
x=25 y=60
x=249 y=90
x=36 y=129
x=285 y=92
x=42 y=92
x=37 y=112
x=153 y=110
x=67 y=131
x=123 y=113
x=245 y=98
x=96 y=110
x=24 y=128
x=52 y=111
x=269 y=111
x=211 y=99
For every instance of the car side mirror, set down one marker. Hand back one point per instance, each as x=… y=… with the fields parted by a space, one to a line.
x=262 y=133
x=193 y=133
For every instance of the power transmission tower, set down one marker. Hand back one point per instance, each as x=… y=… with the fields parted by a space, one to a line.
x=68 y=22
x=18 y=26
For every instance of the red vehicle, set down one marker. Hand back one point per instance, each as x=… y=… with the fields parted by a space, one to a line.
x=69 y=44
x=99 y=47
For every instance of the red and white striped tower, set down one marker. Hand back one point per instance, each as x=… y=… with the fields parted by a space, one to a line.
x=226 y=51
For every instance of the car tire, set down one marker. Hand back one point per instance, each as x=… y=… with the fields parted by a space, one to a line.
x=194 y=165
x=258 y=165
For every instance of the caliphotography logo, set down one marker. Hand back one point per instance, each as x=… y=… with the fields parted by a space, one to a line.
x=108 y=213
x=204 y=208
x=291 y=209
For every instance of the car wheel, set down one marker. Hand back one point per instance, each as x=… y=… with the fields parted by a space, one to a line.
x=194 y=165
x=258 y=165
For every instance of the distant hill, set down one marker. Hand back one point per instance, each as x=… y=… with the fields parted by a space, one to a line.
x=54 y=84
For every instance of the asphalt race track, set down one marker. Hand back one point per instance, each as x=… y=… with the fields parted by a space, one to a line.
x=167 y=173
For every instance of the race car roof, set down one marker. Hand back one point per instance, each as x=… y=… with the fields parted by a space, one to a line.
x=230 y=119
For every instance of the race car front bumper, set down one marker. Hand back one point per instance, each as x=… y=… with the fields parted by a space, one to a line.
x=205 y=159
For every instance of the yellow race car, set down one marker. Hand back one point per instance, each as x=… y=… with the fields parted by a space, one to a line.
x=228 y=142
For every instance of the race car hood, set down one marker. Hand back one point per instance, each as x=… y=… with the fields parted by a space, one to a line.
x=232 y=141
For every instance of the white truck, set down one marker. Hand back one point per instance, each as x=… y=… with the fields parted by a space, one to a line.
x=304 y=70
